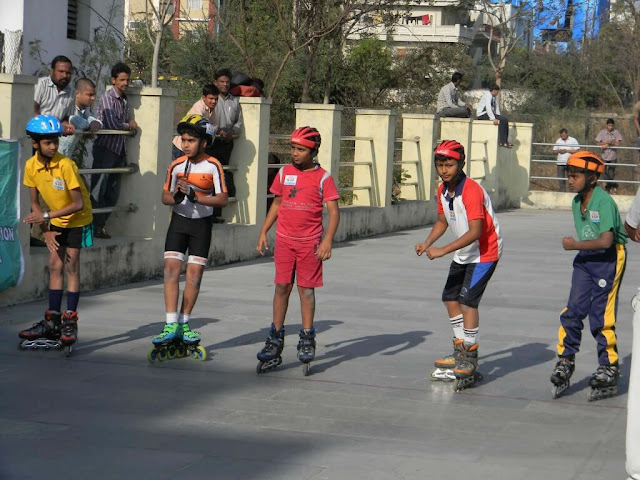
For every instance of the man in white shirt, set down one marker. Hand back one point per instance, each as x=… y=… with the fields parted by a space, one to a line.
x=489 y=109
x=564 y=150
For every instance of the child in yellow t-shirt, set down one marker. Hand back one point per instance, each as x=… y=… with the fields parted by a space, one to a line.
x=66 y=226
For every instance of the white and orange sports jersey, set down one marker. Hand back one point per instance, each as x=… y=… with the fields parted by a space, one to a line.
x=205 y=176
x=471 y=202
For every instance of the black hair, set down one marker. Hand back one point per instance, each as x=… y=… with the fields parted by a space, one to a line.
x=210 y=89
x=493 y=87
x=60 y=59
x=84 y=83
x=119 y=68
x=563 y=130
x=456 y=76
x=223 y=72
x=572 y=169
x=610 y=121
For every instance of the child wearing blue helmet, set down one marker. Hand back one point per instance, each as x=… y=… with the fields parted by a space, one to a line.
x=65 y=222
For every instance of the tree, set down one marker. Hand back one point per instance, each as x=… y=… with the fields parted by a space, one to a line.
x=160 y=18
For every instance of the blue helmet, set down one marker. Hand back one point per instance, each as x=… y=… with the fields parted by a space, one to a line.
x=44 y=125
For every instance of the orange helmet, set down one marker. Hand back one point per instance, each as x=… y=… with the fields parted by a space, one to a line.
x=450 y=149
x=307 y=137
x=586 y=161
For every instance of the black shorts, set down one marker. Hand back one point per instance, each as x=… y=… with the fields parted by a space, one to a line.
x=466 y=283
x=189 y=233
x=76 y=237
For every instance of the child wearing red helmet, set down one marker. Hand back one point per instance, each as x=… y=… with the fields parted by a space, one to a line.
x=300 y=190
x=464 y=207
x=597 y=273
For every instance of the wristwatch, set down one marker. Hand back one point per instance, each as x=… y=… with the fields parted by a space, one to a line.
x=46 y=215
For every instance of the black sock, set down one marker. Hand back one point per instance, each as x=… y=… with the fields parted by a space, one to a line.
x=72 y=300
x=55 y=300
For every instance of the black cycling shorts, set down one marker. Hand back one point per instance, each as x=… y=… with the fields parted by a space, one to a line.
x=466 y=283
x=76 y=237
x=185 y=233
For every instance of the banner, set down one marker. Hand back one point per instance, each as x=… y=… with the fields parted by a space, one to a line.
x=11 y=259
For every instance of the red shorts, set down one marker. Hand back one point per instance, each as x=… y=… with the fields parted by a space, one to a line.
x=291 y=257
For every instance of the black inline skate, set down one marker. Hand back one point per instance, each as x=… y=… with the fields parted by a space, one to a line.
x=69 y=331
x=271 y=355
x=561 y=375
x=307 y=349
x=604 y=382
x=44 y=334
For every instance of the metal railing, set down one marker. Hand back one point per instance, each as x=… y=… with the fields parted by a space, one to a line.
x=418 y=165
x=549 y=157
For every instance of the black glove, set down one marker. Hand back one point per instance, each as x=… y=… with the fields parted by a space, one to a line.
x=178 y=197
x=191 y=196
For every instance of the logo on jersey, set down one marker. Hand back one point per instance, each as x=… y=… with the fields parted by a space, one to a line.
x=594 y=216
x=290 y=179
x=58 y=183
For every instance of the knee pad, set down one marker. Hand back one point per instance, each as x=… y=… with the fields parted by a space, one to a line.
x=197 y=260
x=174 y=256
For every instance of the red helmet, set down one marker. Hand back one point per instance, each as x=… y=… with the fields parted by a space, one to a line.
x=450 y=149
x=307 y=137
x=586 y=161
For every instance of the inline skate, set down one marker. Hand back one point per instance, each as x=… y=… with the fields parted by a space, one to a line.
x=69 y=331
x=44 y=334
x=604 y=382
x=271 y=355
x=307 y=349
x=445 y=366
x=466 y=368
x=561 y=375
x=176 y=341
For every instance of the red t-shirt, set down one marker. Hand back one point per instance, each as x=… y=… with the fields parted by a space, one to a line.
x=303 y=194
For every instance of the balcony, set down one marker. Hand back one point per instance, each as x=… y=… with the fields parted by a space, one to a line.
x=415 y=33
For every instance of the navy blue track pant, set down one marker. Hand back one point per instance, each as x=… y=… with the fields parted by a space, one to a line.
x=594 y=292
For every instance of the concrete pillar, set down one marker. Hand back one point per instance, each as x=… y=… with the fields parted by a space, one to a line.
x=458 y=129
x=249 y=160
x=482 y=159
x=16 y=108
x=152 y=109
x=373 y=178
x=327 y=119
x=424 y=127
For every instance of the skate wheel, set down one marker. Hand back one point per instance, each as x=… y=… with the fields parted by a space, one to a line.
x=152 y=356
x=201 y=354
x=181 y=351
x=162 y=355
x=67 y=350
x=20 y=345
x=305 y=369
x=171 y=352
x=259 y=368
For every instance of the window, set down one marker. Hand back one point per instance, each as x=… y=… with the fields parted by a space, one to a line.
x=195 y=4
x=72 y=19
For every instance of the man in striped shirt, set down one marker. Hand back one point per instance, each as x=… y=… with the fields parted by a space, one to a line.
x=109 y=150
x=53 y=94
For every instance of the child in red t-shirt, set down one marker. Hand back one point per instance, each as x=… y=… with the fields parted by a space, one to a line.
x=300 y=188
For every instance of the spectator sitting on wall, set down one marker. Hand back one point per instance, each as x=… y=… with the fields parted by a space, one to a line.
x=82 y=119
x=205 y=107
x=109 y=150
x=450 y=102
x=489 y=109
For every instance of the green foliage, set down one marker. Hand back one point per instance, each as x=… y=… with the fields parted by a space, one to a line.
x=139 y=54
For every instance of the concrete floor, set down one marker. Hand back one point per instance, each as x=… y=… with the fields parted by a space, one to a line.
x=367 y=411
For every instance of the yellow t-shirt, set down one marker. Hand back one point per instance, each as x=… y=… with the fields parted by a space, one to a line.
x=54 y=183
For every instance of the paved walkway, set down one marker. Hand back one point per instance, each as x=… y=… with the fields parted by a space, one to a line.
x=368 y=411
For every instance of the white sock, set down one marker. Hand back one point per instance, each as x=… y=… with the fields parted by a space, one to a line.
x=184 y=318
x=471 y=335
x=458 y=327
x=172 y=317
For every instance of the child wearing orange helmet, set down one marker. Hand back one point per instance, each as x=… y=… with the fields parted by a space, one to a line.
x=597 y=273
x=464 y=207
